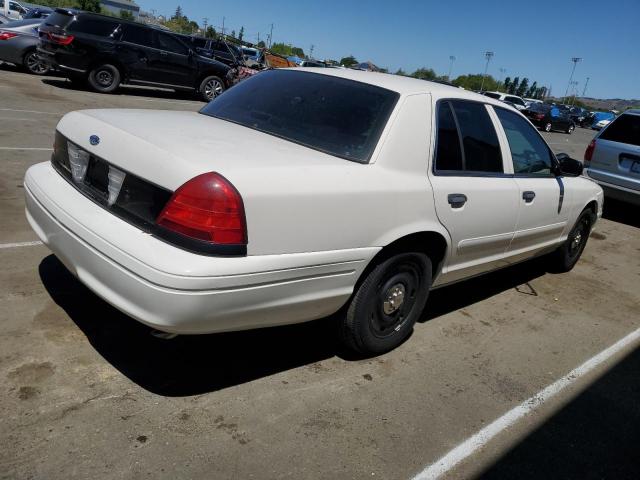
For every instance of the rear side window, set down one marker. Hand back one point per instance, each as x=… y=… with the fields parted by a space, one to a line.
x=515 y=100
x=93 y=26
x=529 y=153
x=625 y=129
x=337 y=116
x=170 y=44
x=492 y=95
x=138 y=35
x=480 y=150
x=449 y=151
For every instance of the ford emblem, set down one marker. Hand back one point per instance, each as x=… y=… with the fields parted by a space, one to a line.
x=94 y=139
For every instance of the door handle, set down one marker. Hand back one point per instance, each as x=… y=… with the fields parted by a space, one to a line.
x=163 y=53
x=457 y=200
x=143 y=59
x=528 y=196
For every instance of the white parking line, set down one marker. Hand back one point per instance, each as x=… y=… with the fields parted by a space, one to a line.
x=20 y=244
x=476 y=442
x=27 y=148
x=29 y=111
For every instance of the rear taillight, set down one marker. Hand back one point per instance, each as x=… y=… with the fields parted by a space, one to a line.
x=60 y=38
x=539 y=116
x=207 y=208
x=589 y=153
x=7 y=35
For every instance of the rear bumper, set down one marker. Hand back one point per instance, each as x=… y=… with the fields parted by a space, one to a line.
x=618 y=192
x=64 y=62
x=176 y=291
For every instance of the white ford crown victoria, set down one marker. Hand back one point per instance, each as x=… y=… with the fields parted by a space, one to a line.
x=298 y=194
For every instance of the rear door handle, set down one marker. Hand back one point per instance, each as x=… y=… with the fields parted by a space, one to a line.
x=163 y=53
x=528 y=196
x=457 y=200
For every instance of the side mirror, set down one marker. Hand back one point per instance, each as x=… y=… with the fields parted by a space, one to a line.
x=568 y=166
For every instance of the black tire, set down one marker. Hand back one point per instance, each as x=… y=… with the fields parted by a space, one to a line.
x=32 y=63
x=373 y=323
x=547 y=127
x=570 y=129
x=104 y=78
x=211 y=87
x=567 y=255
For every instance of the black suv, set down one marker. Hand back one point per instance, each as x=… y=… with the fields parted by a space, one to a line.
x=217 y=49
x=106 y=51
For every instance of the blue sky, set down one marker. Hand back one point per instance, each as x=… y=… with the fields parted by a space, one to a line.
x=534 y=39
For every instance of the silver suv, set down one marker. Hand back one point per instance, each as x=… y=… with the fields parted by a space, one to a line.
x=613 y=158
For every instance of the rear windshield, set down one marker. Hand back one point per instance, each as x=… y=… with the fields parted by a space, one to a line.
x=491 y=95
x=93 y=25
x=625 y=129
x=57 y=19
x=334 y=115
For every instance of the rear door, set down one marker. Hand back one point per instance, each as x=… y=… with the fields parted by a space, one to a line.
x=542 y=198
x=616 y=158
x=476 y=200
x=136 y=50
x=172 y=62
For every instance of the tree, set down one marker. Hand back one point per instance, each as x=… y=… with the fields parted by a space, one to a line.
x=89 y=5
x=348 y=61
x=261 y=44
x=401 y=72
x=541 y=93
x=532 y=90
x=474 y=81
x=298 y=52
x=178 y=15
x=241 y=33
x=523 y=87
x=425 y=74
x=233 y=33
x=514 y=86
x=126 y=15
x=210 y=32
x=507 y=84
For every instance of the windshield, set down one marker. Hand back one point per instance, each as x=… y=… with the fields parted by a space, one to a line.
x=334 y=115
x=539 y=107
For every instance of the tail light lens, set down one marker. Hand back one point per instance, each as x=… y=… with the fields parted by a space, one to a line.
x=60 y=38
x=539 y=116
x=589 y=153
x=7 y=35
x=207 y=208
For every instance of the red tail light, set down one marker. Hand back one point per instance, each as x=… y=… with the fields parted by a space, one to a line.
x=60 y=38
x=209 y=208
x=539 y=116
x=7 y=35
x=589 y=153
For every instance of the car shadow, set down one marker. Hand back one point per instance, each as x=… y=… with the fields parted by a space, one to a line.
x=128 y=90
x=191 y=365
x=621 y=212
x=595 y=436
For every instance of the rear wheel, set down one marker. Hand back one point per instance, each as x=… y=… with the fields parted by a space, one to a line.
x=387 y=304
x=547 y=127
x=211 y=87
x=104 y=78
x=567 y=255
x=33 y=64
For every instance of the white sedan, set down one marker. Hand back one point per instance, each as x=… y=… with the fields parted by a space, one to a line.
x=301 y=193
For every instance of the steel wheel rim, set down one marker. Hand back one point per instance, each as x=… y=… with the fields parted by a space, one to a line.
x=578 y=238
x=104 y=78
x=385 y=319
x=34 y=64
x=212 y=89
x=547 y=127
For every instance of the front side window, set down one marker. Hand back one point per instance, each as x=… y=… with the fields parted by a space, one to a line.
x=480 y=148
x=337 y=116
x=625 y=129
x=529 y=153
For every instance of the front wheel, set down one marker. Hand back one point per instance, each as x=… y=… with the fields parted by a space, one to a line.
x=104 y=78
x=387 y=304
x=570 y=129
x=567 y=255
x=210 y=88
x=33 y=64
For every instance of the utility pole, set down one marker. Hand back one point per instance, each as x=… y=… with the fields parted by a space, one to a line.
x=271 y=35
x=223 y=26
x=575 y=61
x=488 y=56
x=311 y=51
x=585 y=87
x=258 y=37
x=205 y=22
x=452 y=59
x=502 y=72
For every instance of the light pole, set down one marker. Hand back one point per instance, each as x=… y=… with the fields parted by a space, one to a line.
x=452 y=59
x=575 y=61
x=502 y=72
x=585 y=87
x=488 y=56
x=574 y=91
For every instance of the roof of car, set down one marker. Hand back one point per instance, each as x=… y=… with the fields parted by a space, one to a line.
x=401 y=84
x=634 y=111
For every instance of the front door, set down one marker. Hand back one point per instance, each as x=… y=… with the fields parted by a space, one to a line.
x=542 y=198
x=475 y=199
x=135 y=50
x=172 y=62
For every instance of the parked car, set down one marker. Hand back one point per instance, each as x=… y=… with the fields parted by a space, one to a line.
x=4 y=19
x=38 y=12
x=601 y=119
x=578 y=114
x=107 y=52
x=251 y=56
x=255 y=212
x=519 y=103
x=599 y=125
x=312 y=63
x=549 y=117
x=530 y=101
x=18 y=44
x=16 y=10
x=613 y=158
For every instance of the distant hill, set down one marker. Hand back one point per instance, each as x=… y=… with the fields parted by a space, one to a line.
x=619 y=104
